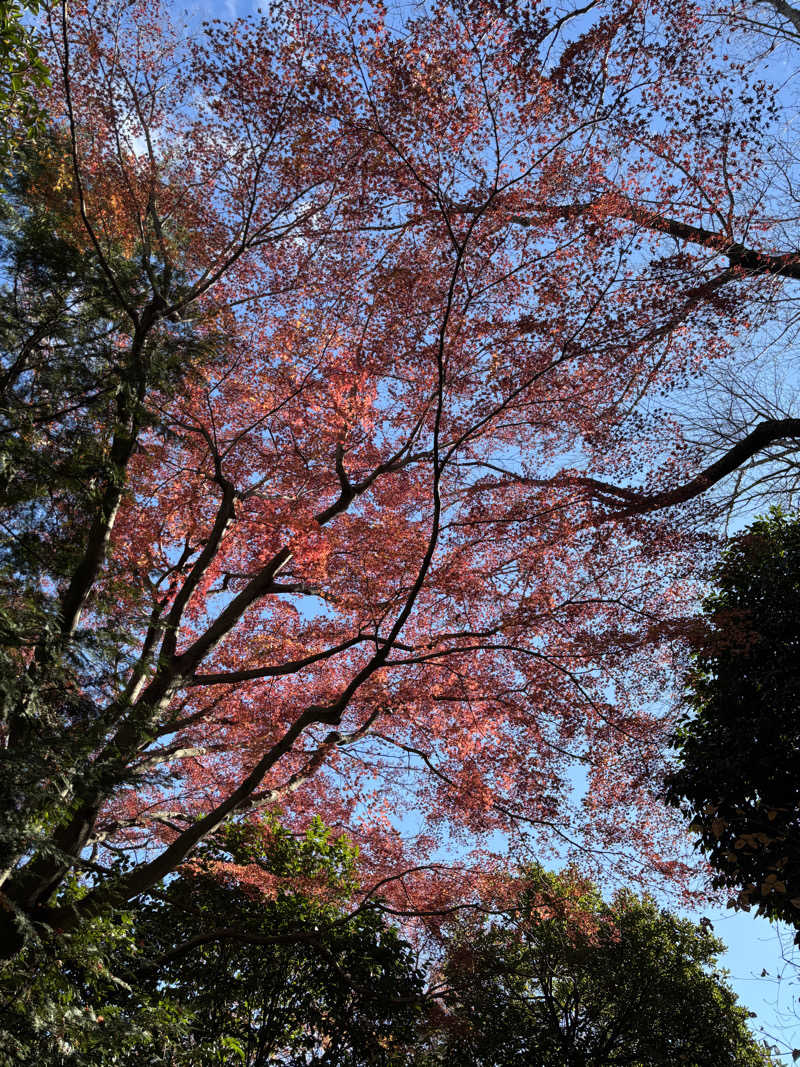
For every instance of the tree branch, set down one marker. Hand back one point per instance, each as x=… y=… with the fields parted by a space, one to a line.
x=637 y=503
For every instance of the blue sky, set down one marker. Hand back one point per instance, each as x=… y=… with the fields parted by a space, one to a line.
x=755 y=945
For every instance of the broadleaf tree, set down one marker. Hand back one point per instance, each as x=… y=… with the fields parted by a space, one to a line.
x=253 y=954
x=738 y=745
x=563 y=977
x=291 y=976
x=22 y=74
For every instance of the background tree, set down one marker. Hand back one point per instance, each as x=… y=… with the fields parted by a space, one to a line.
x=564 y=978
x=287 y=977
x=63 y=1001
x=228 y=963
x=738 y=746
x=66 y=393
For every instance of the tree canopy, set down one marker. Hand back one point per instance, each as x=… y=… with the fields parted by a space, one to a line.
x=294 y=975
x=738 y=747
x=254 y=954
x=563 y=978
x=339 y=471
x=229 y=963
x=22 y=74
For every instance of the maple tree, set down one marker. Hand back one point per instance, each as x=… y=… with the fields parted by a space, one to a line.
x=367 y=311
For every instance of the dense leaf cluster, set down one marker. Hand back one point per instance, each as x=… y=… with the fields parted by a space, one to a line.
x=75 y=393
x=210 y=970
x=566 y=979
x=22 y=73
x=738 y=747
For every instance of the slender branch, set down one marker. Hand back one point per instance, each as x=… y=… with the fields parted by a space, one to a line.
x=788 y=12
x=247 y=937
x=276 y=670
x=750 y=260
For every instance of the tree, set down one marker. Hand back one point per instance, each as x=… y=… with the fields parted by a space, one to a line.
x=565 y=978
x=227 y=963
x=65 y=396
x=738 y=744
x=348 y=518
x=292 y=977
x=739 y=416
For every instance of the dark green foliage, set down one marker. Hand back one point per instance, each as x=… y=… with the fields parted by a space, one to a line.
x=59 y=374
x=566 y=980
x=63 y=1002
x=210 y=970
x=738 y=774
x=288 y=979
x=68 y=377
x=22 y=72
x=78 y=387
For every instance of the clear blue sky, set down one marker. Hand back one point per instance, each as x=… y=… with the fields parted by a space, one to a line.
x=756 y=945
